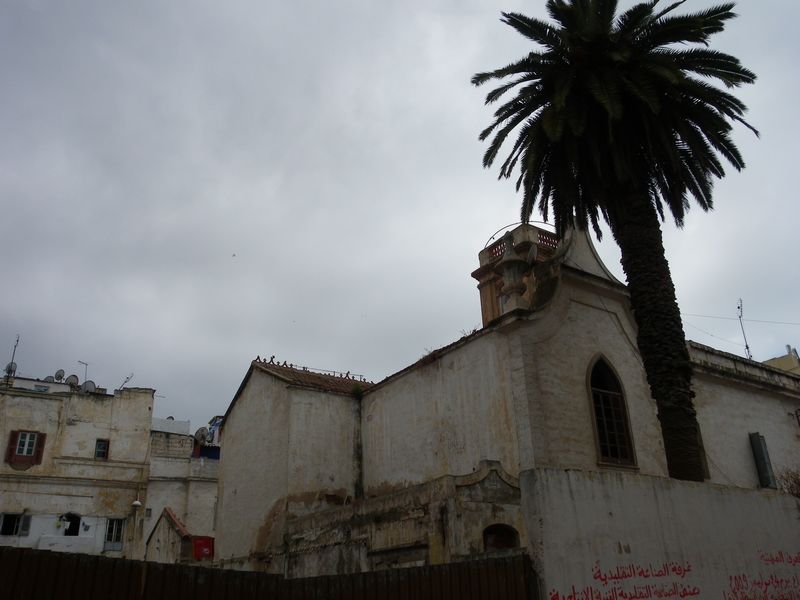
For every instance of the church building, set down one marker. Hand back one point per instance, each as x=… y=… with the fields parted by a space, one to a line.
x=536 y=434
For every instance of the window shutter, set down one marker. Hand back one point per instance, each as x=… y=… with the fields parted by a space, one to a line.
x=25 y=525
x=40 y=438
x=13 y=438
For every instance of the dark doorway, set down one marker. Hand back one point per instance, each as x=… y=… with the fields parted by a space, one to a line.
x=72 y=524
x=500 y=537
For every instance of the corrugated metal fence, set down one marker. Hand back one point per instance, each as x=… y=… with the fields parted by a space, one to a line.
x=42 y=575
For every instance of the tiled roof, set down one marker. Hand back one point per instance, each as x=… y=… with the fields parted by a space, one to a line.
x=176 y=522
x=340 y=384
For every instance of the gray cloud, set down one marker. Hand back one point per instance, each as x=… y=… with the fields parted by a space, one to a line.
x=185 y=185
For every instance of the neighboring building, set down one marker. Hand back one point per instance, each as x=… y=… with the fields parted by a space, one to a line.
x=182 y=489
x=90 y=472
x=171 y=542
x=75 y=465
x=535 y=434
x=788 y=362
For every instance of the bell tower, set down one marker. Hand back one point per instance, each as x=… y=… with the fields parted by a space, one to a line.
x=505 y=279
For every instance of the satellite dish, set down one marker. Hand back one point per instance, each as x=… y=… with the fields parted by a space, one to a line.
x=201 y=435
x=59 y=375
x=11 y=368
x=89 y=387
x=49 y=379
x=72 y=380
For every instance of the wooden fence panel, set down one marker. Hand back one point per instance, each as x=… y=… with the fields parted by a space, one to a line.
x=26 y=573
x=44 y=575
x=46 y=583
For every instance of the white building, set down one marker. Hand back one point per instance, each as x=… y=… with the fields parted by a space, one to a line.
x=182 y=491
x=90 y=472
x=75 y=465
x=535 y=434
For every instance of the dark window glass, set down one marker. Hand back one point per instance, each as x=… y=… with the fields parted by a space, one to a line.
x=10 y=524
x=611 y=417
x=101 y=449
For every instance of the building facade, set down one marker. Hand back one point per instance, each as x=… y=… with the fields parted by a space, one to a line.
x=76 y=466
x=181 y=492
x=535 y=434
x=91 y=472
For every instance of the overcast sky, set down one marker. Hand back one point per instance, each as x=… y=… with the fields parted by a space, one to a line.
x=186 y=185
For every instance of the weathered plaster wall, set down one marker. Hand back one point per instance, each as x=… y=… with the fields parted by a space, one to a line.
x=164 y=544
x=286 y=449
x=200 y=517
x=618 y=535
x=441 y=418
x=559 y=347
x=253 y=469
x=728 y=410
x=47 y=533
x=322 y=459
x=167 y=487
x=166 y=444
x=431 y=523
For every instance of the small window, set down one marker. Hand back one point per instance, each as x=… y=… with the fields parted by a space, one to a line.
x=11 y=524
x=26 y=443
x=25 y=448
x=500 y=537
x=611 y=417
x=114 y=529
x=101 y=449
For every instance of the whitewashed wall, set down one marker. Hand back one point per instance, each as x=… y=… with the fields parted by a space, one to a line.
x=559 y=346
x=619 y=535
x=735 y=398
x=441 y=418
x=253 y=469
x=286 y=448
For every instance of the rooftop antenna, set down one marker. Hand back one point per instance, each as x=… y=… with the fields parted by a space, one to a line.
x=85 y=368
x=741 y=324
x=127 y=379
x=14 y=351
x=11 y=369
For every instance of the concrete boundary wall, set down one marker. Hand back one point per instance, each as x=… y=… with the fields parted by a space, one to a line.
x=624 y=536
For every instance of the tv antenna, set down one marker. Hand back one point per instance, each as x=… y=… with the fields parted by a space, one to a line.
x=85 y=368
x=741 y=324
x=127 y=379
x=11 y=368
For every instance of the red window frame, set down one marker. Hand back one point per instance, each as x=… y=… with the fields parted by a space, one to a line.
x=13 y=458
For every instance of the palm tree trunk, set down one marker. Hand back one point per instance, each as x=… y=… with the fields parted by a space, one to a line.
x=662 y=343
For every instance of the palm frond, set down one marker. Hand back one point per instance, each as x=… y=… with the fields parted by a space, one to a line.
x=633 y=19
x=528 y=64
x=535 y=30
x=709 y=63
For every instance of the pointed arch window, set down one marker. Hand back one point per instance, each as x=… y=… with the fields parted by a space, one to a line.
x=614 y=440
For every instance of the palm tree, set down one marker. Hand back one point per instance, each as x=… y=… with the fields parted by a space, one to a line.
x=617 y=117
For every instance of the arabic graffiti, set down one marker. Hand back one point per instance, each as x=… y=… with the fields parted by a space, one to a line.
x=780 y=558
x=618 y=583
x=639 y=581
x=634 y=570
x=635 y=592
x=763 y=587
